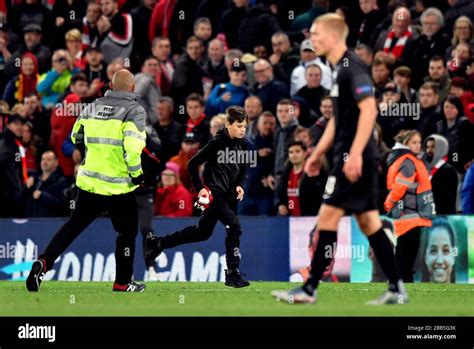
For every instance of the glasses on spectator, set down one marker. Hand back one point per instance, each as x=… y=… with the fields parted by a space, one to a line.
x=168 y=174
x=430 y=23
x=462 y=27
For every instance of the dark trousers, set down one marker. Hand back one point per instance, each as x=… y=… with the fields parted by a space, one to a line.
x=145 y=216
x=123 y=213
x=406 y=252
x=221 y=209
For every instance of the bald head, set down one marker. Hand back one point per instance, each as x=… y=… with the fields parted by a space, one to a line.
x=123 y=80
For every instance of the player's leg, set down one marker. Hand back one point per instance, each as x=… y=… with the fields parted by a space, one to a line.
x=145 y=221
x=371 y=226
x=124 y=215
x=88 y=208
x=329 y=217
x=406 y=252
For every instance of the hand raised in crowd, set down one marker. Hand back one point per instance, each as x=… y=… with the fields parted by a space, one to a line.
x=36 y=194
x=30 y=181
x=59 y=21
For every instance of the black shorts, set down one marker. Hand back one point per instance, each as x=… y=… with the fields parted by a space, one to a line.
x=357 y=197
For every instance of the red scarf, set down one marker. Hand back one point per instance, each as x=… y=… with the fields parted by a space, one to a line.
x=27 y=83
x=438 y=165
x=399 y=46
x=193 y=123
x=24 y=165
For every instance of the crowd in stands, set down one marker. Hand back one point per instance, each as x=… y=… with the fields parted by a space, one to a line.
x=193 y=59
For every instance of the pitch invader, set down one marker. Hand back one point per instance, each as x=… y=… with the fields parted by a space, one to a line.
x=351 y=187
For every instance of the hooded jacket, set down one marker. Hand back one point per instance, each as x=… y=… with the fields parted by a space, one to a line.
x=410 y=199
x=225 y=167
x=444 y=178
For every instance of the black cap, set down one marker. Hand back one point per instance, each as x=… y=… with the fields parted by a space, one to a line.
x=238 y=67
x=32 y=27
x=91 y=48
x=16 y=118
x=190 y=137
x=391 y=88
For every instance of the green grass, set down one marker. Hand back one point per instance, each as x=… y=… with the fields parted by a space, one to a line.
x=214 y=299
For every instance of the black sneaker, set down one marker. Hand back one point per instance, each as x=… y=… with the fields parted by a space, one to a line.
x=37 y=273
x=131 y=287
x=151 y=247
x=234 y=279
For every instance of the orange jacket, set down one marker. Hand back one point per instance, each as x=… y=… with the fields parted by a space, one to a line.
x=410 y=199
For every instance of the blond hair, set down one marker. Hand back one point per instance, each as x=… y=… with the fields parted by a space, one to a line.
x=335 y=23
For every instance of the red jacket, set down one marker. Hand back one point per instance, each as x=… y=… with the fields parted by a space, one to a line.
x=161 y=19
x=61 y=127
x=174 y=201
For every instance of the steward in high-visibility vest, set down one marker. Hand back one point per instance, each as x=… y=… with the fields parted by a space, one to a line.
x=113 y=132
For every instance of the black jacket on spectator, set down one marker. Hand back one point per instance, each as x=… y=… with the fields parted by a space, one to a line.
x=230 y=23
x=218 y=74
x=253 y=185
x=417 y=54
x=311 y=191
x=289 y=60
x=170 y=137
x=52 y=202
x=257 y=28
x=283 y=137
x=461 y=8
x=271 y=93
x=187 y=78
x=313 y=96
x=41 y=52
x=10 y=175
x=429 y=118
x=141 y=44
x=460 y=137
x=61 y=8
x=369 y=21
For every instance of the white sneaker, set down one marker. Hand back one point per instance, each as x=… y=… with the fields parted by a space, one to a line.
x=391 y=297
x=295 y=296
x=152 y=274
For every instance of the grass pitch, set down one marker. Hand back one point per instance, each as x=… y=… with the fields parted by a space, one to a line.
x=215 y=299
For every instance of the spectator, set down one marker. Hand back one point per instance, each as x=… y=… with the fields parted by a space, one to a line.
x=467 y=192
x=326 y=111
x=259 y=185
x=463 y=33
x=169 y=131
x=304 y=20
x=231 y=93
x=62 y=121
x=215 y=68
x=269 y=90
x=302 y=112
x=216 y=124
x=298 y=194
x=161 y=18
x=25 y=83
x=95 y=71
x=457 y=9
x=444 y=178
x=372 y=16
x=430 y=115
x=197 y=126
x=256 y=28
x=32 y=144
x=145 y=86
x=313 y=92
x=380 y=76
x=5 y=52
x=432 y=42
x=365 y=53
x=188 y=75
x=32 y=43
x=203 y=31
x=45 y=194
x=141 y=16
x=285 y=58
x=189 y=148
x=53 y=84
x=303 y=135
x=460 y=61
x=161 y=49
x=74 y=47
x=116 y=31
x=64 y=22
x=172 y=198
x=284 y=134
x=308 y=57
x=231 y=19
x=402 y=78
x=458 y=131
x=90 y=31
x=14 y=173
x=439 y=74
x=393 y=42
x=460 y=88
x=253 y=108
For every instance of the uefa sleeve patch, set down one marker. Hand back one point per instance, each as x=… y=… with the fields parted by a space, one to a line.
x=363 y=89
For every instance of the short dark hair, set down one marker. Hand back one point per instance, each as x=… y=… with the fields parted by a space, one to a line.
x=437 y=58
x=148 y=58
x=429 y=85
x=201 y=20
x=236 y=114
x=284 y=101
x=193 y=38
x=196 y=97
x=297 y=143
x=79 y=77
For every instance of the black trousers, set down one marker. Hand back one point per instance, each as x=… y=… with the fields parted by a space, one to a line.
x=406 y=252
x=122 y=210
x=221 y=209
x=145 y=217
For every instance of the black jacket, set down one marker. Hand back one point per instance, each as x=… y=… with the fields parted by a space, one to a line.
x=271 y=93
x=230 y=23
x=187 y=78
x=10 y=170
x=170 y=137
x=222 y=173
x=444 y=185
x=429 y=117
x=52 y=202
